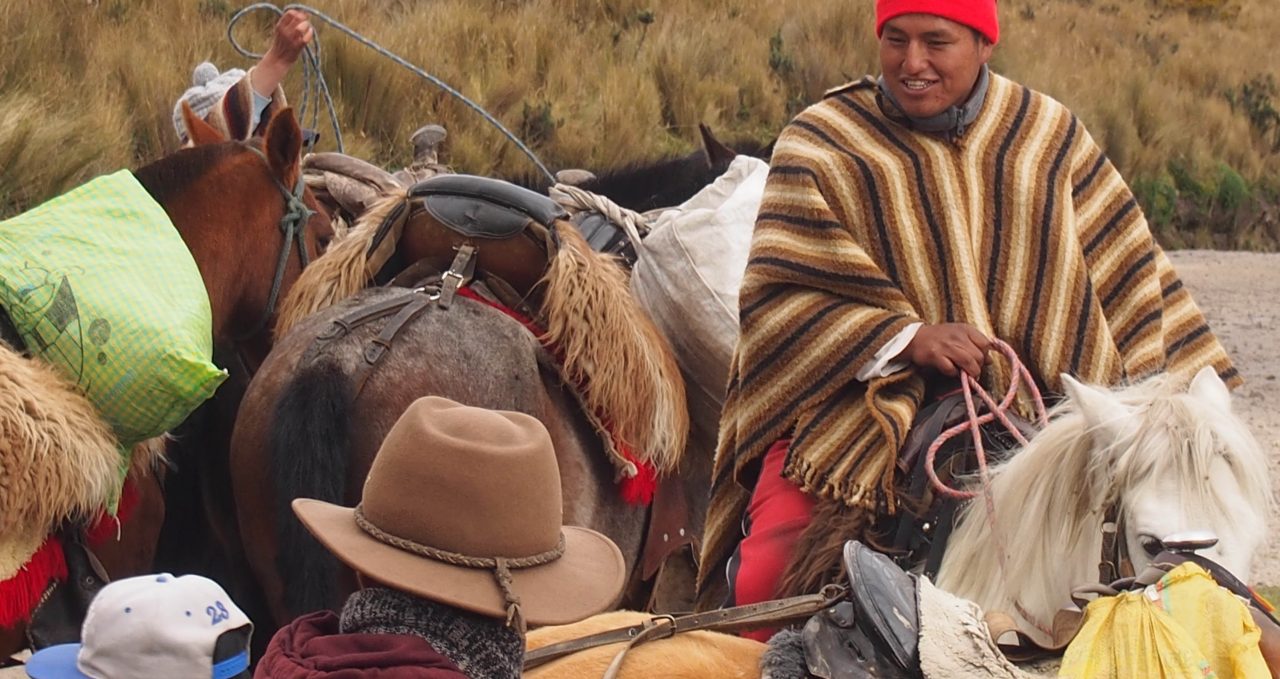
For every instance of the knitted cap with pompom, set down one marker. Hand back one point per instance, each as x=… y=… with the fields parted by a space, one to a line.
x=207 y=88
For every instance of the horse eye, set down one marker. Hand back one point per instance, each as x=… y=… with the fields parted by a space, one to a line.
x=1151 y=546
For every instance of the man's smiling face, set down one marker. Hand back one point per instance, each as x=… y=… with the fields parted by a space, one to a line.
x=930 y=63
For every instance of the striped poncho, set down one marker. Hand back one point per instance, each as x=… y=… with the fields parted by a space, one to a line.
x=1020 y=227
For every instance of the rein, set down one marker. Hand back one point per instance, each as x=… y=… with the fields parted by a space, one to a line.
x=1114 y=560
x=970 y=385
x=973 y=424
x=293 y=228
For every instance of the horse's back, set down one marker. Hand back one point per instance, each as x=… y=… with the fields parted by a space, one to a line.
x=692 y=655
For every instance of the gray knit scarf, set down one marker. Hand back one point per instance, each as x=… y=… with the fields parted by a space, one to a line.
x=482 y=647
x=952 y=121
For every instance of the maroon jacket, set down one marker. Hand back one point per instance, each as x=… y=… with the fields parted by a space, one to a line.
x=311 y=647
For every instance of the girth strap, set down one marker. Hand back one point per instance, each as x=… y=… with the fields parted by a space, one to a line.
x=738 y=618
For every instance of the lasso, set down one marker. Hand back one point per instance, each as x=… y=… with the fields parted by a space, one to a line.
x=315 y=87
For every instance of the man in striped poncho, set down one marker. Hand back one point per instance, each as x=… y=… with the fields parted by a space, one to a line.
x=906 y=221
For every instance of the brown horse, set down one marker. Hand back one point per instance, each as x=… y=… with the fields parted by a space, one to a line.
x=313 y=425
x=228 y=202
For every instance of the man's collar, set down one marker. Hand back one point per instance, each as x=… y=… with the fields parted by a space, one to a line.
x=953 y=121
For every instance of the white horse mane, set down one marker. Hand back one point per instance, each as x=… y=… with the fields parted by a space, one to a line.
x=1050 y=497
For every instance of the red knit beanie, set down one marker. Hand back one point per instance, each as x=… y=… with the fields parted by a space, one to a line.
x=979 y=15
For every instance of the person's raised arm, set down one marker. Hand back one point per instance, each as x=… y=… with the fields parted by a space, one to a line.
x=293 y=32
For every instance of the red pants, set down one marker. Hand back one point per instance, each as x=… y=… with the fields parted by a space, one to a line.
x=778 y=513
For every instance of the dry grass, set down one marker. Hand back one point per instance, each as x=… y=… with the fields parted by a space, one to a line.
x=87 y=85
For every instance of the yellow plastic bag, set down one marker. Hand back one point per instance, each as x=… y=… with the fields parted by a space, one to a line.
x=1183 y=627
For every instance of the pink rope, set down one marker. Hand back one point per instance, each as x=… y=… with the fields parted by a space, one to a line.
x=995 y=411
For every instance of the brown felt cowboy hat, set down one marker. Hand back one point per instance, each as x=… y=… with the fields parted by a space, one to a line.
x=460 y=501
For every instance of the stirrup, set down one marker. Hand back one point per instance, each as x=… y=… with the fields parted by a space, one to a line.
x=875 y=633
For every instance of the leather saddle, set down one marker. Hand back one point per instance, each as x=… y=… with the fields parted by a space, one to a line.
x=875 y=631
x=605 y=236
x=481 y=207
x=500 y=232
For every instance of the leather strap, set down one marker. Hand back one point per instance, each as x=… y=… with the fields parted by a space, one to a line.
x=374 y=353
x=460 y=272
x=1114 y=562
x=768 y=613
x=342 y=326
x=668 y=526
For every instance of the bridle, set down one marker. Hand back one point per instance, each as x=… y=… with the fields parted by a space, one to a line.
x=293 y=229
x=1115 y=561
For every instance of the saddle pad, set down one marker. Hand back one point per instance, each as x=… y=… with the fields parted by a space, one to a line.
x=99 y=284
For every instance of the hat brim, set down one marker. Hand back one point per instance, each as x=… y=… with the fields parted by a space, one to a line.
x=586 y=580
x=55 y=662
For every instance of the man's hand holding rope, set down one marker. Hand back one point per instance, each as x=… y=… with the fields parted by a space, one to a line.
x=949 y=348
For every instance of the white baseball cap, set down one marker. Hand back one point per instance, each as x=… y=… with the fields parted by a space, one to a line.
x=154 y=626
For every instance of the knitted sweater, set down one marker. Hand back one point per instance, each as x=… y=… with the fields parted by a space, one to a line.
x=1021 y=227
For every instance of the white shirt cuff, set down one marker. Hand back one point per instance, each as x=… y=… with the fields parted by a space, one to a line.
x=885 y=362
x=260 y=104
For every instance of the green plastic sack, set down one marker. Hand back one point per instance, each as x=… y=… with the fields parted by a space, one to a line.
x=99 y=283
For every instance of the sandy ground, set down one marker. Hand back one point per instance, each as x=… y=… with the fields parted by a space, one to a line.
x=1239 y=293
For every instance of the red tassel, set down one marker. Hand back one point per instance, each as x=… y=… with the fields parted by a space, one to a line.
x=20 y=594
x=639 y=489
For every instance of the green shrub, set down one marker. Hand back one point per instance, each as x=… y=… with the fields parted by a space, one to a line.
x=1159 y=199
x=1190 y=185
x=1233 y=190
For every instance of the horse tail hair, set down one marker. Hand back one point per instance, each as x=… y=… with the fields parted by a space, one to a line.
x=349 y=263
x=309 y=448
x=614 y=352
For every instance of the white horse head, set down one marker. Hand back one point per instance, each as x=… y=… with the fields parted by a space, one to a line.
x=1174 y=460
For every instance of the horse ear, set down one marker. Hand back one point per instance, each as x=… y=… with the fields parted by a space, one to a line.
x=718 y=155
x=1102 y=411
x=283 y=146
x=237 y=112
x=1207 y=386
x=198 y=131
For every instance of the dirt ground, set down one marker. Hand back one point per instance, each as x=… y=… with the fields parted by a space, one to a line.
x=1239 y=293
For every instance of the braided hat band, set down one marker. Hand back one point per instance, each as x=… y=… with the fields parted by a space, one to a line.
x=501 y=566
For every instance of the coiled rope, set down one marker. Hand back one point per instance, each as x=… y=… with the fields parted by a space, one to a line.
x=315 y=87
x=635 y=224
